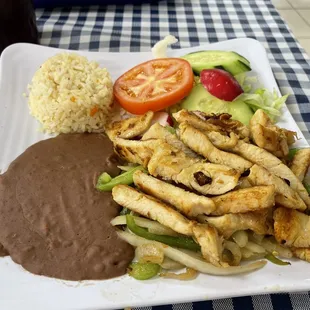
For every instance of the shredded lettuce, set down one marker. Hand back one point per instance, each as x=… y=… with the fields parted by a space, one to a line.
x=246 y=82
x=264 y=99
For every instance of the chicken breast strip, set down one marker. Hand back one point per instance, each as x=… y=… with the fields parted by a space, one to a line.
x=200 y=143
x=302 y=253
x=225 y=143
x=265 y=159
x=300 y=163
x=156 y=210
x=285 y=196
x=131 y=127
x=205 y=178
x=269 y=136
x=157 y=131
x=257 y=221
x=210 y=242
x=292 y=228
x=137 y=152
x=187 y=203
x=245 y=200
x=220 y=123
x=152 y=208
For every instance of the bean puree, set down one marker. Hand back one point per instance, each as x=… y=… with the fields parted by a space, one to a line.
x=52 y=220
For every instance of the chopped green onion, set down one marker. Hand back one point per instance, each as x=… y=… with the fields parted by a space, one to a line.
x=143 y=271
x=276 y=260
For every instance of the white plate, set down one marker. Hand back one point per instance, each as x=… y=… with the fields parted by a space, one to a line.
x=20 y=289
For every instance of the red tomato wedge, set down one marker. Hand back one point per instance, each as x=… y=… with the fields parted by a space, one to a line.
x=154 y=85
x=220 y=84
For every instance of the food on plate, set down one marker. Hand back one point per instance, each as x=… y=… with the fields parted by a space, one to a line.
x=291 y=228
x=201 y=100
x=245 y=200
x=106 y=183
x=273 y=164
x=53 y=221
x=205 y=177
x=131 y=127
x=189 y=204
x=69 y=94
x=162 y=160
x=229 y=61
x=200 y=143
x=192 y=185
x=220 y=84
x=220 y=123
x=230 y=223
x=154 y=85
x=285 y=195
x=300 y=163
x=270 y=137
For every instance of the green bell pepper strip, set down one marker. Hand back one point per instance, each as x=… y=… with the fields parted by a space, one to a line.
x=276 y=260
x=292 y=153
x=125 y=178
x=143 y=271
x=307 y=187
x=104 y=178
x=178 y=242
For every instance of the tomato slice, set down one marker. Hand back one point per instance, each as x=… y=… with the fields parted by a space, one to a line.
x=154 y=85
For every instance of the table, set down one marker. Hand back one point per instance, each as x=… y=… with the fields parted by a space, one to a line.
x=138 y=28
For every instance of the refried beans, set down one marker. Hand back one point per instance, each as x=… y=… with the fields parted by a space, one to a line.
x=53 y=221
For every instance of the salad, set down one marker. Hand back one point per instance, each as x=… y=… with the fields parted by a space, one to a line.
x=207 y=81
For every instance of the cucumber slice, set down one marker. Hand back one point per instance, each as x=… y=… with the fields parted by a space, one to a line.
x=229 y=61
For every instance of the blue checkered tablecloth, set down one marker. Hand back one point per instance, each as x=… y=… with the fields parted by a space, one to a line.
x=137 y=28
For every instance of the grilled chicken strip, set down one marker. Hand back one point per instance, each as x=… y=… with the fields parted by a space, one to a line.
x=137 y=152
x=257 y=221
x=157 y=131
x=270 y=137
x=292 y=228
x=245 y=200
x=187 y=203
x=131 y=127
x=300 y=163
x=285 y=196
x=220 y=123
x=152 y=208
x=205 y=178
x=210 y=242
x=222 y=142
x=265 y=159
x=200 y=143
x=302 y=253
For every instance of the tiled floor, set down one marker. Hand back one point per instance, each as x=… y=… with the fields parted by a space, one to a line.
x=297 y=15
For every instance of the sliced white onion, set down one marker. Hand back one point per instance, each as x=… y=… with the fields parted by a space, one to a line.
x=255 y=248
x=159 y=50
x=189 y=274
x=190 y=261
x=152 y=226
x=163 y=118
x=241 y=238
x=234 y=249
x=149 y=253
x=170 y=264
